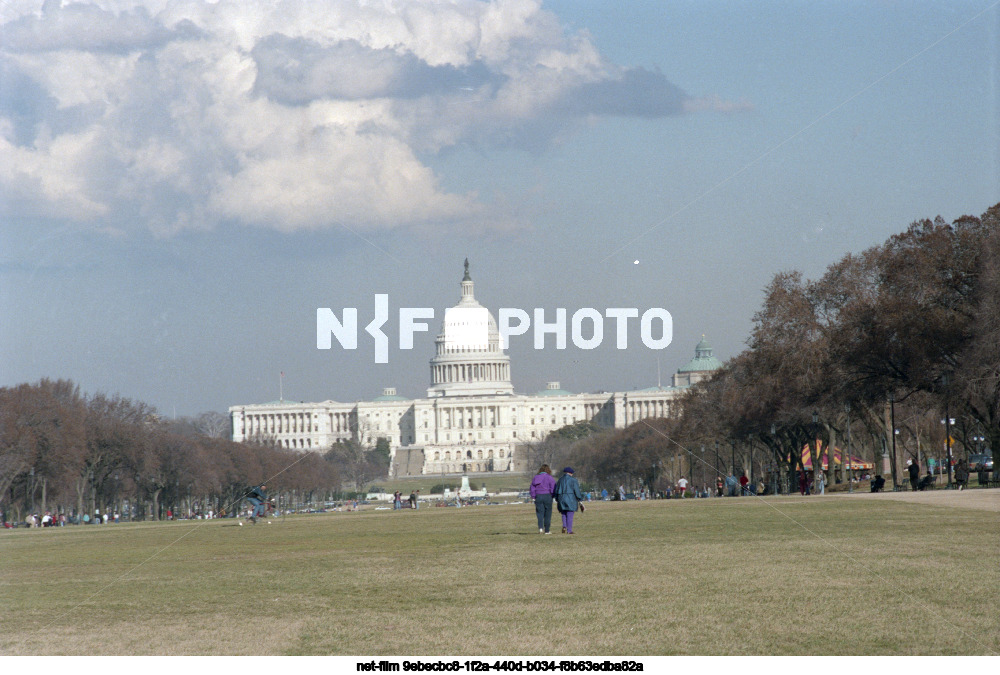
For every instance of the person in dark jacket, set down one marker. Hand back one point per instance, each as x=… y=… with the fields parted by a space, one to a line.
x=914 y=470
x=961 y=474
x=542 y=487
x=257 y=497
x=568 y=497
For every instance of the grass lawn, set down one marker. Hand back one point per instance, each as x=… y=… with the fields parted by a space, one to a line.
x=842 y=574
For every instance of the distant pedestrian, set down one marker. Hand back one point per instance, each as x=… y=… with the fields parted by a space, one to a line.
x=568 y=498
x=961 y=474
x=718 y=486
x=397 y=500
x=731 y=484
x=604 y=494
x=803 y=483
x=541 y=489
x=621 y=493
x=744 y=482
x=682 y=485
x=821 y=483
x=914 y=470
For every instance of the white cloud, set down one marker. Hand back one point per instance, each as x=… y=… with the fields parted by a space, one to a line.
x=289 y=114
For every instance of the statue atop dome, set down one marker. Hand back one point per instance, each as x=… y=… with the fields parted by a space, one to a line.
x=466 y=277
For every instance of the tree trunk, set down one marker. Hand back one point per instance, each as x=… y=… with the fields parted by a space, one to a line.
x=156 y=505
x=80 y=489
x=45 y=492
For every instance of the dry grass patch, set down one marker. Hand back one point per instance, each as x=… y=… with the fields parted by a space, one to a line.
x=729 y=576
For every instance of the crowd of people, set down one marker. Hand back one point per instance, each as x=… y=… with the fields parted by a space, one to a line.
x=49 y=519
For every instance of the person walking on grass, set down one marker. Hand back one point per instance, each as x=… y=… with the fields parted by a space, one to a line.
x=961 y=474
x=568 y=498
x=542 y=487
x=257 y=496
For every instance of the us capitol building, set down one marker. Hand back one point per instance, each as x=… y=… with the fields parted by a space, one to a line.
x=471 y=420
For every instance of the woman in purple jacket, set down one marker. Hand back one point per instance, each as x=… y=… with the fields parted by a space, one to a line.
x=542 y=486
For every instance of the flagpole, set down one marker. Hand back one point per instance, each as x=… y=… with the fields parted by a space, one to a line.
x=281 y=386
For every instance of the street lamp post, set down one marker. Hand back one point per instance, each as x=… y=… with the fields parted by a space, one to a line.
x=892 y=421
x=703 y=467
x=947 y=421
x=849 y=458
x=947 y=426
x=774 y=474
x=750 y=443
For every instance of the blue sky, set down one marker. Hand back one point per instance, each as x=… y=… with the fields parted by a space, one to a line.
x=183 y=183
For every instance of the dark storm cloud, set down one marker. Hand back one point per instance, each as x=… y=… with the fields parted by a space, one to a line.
x=637 y=93
x=297 y=71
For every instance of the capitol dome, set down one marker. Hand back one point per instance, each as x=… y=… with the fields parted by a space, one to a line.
x=469 y=360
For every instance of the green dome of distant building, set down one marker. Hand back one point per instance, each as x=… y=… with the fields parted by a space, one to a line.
x=703 y=359
x=701 y=367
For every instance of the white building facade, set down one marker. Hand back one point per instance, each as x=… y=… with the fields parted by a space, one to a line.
x=471 y=420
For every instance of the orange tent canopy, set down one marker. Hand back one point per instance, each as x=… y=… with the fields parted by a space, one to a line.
x=854 y=463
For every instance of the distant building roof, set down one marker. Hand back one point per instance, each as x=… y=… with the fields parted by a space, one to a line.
x=703 y=359
x=389 y=394
x=553 y=389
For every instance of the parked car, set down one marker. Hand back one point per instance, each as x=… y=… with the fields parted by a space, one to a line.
x=978 y=461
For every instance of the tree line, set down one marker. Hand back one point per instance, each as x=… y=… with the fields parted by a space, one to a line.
x=894 y=351
x=66 y=452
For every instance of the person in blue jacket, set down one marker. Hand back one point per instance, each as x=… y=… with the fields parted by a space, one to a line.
x=257 y=496
x=568 y=498
x=541 y=489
